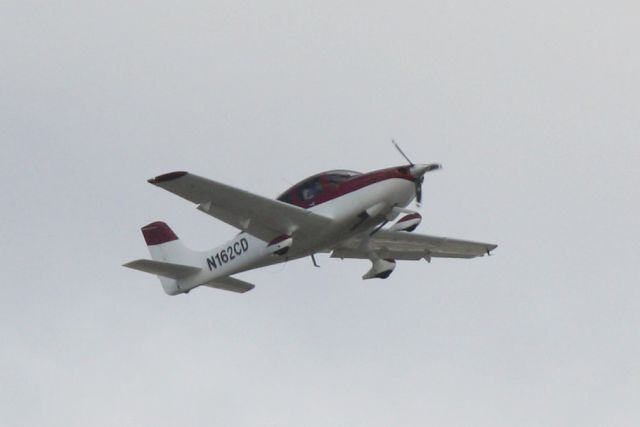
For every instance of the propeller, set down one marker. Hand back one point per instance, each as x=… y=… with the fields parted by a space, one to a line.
x=393 y=141
x=419 y=183
x=418 y=171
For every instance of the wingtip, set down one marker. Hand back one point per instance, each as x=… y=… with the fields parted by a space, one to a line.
x=166 y=177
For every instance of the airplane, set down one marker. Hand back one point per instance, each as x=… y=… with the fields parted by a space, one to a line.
x=340 y=212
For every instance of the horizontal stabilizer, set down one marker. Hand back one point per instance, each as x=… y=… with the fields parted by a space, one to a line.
x=165 y=269
x=230 y=284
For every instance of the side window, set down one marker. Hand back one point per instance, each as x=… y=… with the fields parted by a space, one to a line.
x=286 y=198
x=309 y=190
x=335 y=179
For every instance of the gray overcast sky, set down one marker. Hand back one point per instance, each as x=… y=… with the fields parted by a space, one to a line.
x=532 y=107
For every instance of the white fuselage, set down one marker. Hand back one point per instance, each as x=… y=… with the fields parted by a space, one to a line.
x=245 y=252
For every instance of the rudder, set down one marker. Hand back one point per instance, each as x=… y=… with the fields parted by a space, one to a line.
x=166 y=248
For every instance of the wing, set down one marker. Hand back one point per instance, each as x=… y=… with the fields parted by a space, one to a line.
x=262 y=217
x=401 y=245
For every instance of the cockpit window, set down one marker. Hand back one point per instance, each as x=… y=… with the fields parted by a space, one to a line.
x=286 y=198
x=337 y=178
x=310 y=189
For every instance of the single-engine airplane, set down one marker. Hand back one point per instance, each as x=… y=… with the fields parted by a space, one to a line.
x=341 y=212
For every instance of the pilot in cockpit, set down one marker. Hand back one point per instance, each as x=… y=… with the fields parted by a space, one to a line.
x=311 y=190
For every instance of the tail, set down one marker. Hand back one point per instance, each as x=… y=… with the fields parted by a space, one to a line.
x=174 y=263
x=170 y=260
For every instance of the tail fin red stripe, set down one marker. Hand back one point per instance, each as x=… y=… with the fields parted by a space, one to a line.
x=158 y=233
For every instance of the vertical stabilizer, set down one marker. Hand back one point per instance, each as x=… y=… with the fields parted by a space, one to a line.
x=165 y=246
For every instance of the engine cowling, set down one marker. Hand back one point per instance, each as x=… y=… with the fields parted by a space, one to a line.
x=407 y=222
x=280 y=245
x=381 y=269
